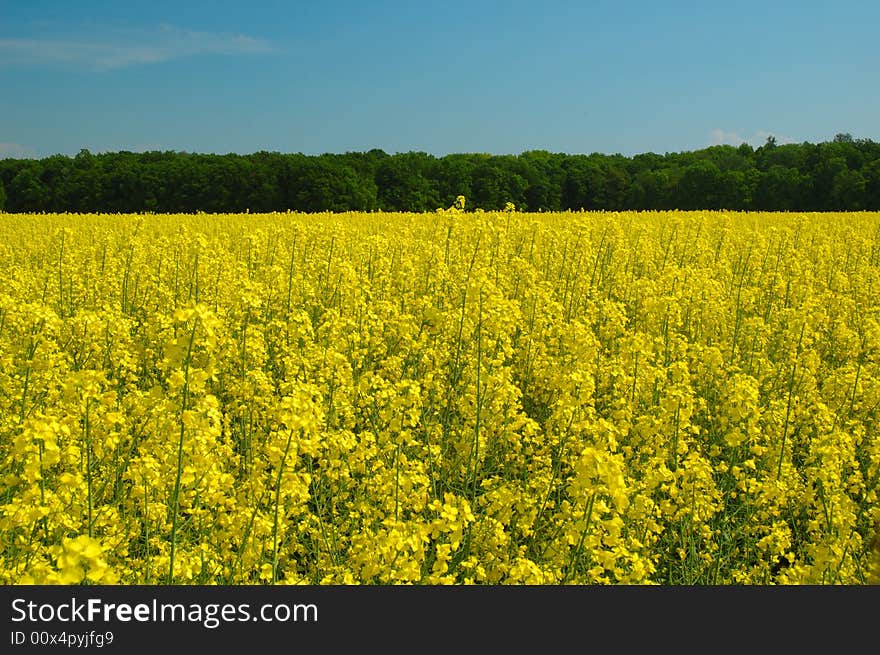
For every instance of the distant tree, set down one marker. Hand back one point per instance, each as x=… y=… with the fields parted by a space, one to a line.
x=616 y=187
x=189 y=179
x=871 y=173
x=261 y=193
x=735 y=189
x=790 y=155
x=745 y=150
x=826 y=171
x=487 y=187
x=81 y=188
x=2 y=196
x=650 y=190
x=454 y=177
x=583 y=185
x=781 y=189
x=848 y=190
x=544 y=179
x=323 y=186
x=27 y=191
x=495 y=182
x=127 y=185
x=701 y=186
x=835 y=175
x=405 y=182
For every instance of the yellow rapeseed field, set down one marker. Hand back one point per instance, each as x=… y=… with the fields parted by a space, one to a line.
x=454 y=397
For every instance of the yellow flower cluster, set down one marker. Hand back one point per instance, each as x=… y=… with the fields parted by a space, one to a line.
x=443 y=398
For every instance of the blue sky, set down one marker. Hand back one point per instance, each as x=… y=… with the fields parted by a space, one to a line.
x=439 y=77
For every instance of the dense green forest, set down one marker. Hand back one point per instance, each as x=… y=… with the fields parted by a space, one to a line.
x=838 y=175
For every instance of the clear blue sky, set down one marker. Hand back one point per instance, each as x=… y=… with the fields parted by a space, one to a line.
x=440 y=77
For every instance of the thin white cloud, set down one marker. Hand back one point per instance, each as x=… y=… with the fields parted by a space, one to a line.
x=115 y=49
x=16 y=151
x=719 y=137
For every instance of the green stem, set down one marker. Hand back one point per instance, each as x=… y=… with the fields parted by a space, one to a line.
x=476 y=446
x=277 y=504
x=396 y=481
x=580 y=546
x=89 y=464
x=788 y=404
x=147 y=531
x=176 y=496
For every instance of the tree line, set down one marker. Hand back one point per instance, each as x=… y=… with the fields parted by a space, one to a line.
x=838 y=175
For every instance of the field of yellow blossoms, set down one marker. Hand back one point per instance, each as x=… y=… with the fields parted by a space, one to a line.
x=451 y=397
